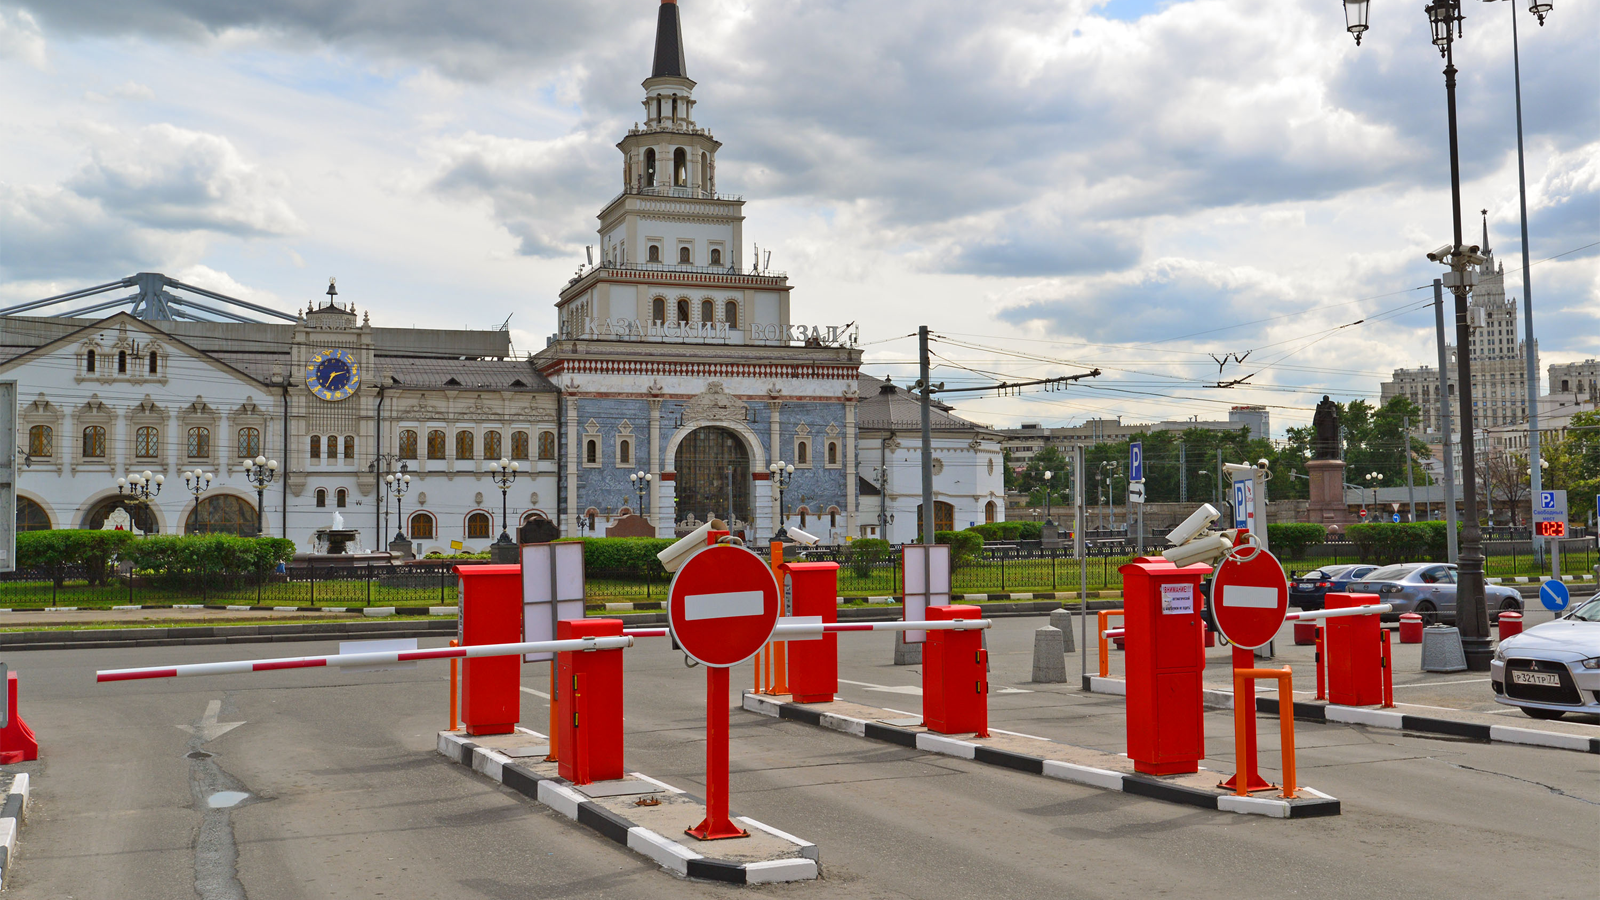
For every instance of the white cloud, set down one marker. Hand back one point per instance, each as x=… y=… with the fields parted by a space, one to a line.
x=20 y=37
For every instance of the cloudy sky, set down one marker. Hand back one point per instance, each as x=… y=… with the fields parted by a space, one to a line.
x=1049 y=184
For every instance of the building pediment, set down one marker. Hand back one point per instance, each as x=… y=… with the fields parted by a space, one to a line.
x=714 y=404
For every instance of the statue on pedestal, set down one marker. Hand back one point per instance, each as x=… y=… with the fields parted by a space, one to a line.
x=1325 y=422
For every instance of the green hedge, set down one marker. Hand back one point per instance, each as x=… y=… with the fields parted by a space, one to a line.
x=861 y=555
x=624 y=557
x=1391 y=542
x=965 y=546
x=64 y=547
x=993 y=532
x=165 y=555
x=1290 y=540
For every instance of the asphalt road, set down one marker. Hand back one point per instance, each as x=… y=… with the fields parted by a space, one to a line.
x=346 y=797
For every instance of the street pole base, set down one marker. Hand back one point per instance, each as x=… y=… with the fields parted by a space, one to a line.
x=1256 y=783
x=718 y=831
x=1479 y=653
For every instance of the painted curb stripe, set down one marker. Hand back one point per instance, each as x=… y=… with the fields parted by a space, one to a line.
x=716 y=870
x=1445 y=726
x=878 y=731
x=1144 y=787
x=1033 y=765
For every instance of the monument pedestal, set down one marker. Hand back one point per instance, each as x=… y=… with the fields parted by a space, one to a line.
x=1327 y=506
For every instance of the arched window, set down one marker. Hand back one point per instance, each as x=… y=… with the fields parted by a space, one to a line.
x=802 y=453
x=708 y=311
x=683 y=311
x=316 y=446
x=675 y=113
x=989 y=512
x=491 y=445
x=249 y=443
x=591 y=451
x=730 y=313
x=658 y=311
x=804 y=511
x=650 y=159
x=340 y=496
x=94 y=442
x=147 y=442
x=421 y=526
x=833 y=453
x=41 y=441
x=705 y=169
x=547 y=445
x=685 y=256
x=322 y=497
x=122 y=362
x=463 y=445
x=436 y=444
x=519 y=445
x=199 y=442
x=624 y=453
x=349 y=446
x=478 y=525
x=153 y=362
x=88 y=362
x=333 y=446
x=833 y=517
x=655 y=253
x=680 y=160
x=944 y=516
x=31 y=516
x=408 y=444
x=224 y=514
x=716 y=256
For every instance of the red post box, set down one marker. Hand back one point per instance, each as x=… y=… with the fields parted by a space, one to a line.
x=590 y=704
x=955 y=686
x=491 y=613
x=1354 y=647
x=813 y=664
x=1165 y=663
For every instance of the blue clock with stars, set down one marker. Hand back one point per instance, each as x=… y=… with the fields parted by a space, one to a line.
x=333 y=374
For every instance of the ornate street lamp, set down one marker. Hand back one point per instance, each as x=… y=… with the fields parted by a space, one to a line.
x=140 y=487
x=782 y=473
x=1539 y=9
x=397 y=485
x=1374 y=479
x=197 y=483
x=260 y=472
x=641 y=486
x=504 y=472
x=1355 y=18
x=1047 y=476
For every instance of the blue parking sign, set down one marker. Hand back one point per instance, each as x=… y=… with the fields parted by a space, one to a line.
x=1136 y=461
x=1554 y=595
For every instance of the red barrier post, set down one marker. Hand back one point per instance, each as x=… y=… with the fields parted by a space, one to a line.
x=17 y=741
x=491 y=613
x=813 y=664
x=1510 y=624
x=591 y=704
x=955 y=684
x=1164 y=666
x=1321 y=676
x=1410 y=628
x=1305 y=633
x=455 y=665
x=1355 y=667
x=1388 y=674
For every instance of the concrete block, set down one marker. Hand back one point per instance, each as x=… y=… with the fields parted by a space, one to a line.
x=1049 y=660
x=1063 y=619
x=1442 y=650
x=906 y=654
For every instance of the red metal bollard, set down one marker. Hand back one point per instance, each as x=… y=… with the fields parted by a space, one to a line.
x=1388 y=674
x=1410 y=628
x=955 y=684
x=590 y=703
x=1210 y=636
x=17 y=741
x=1322 y=683
x=1510 y=624
x=1165 y=665
x=1355 y=665
x=813 y=664
x=1305 y=633
x=491 y=613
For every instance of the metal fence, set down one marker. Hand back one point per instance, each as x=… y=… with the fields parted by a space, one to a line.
x=411 y=585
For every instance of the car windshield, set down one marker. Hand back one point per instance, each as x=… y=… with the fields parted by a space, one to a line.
x=1589 y=612
x=1315 y=575
x=1390 y=573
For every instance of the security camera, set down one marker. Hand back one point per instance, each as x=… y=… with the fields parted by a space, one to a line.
x=1262 y=464
x=1204 y=551
x=1443 y=254
x=800 y=537
x=673 y=558
x=1194 y=525
x=1240 y=470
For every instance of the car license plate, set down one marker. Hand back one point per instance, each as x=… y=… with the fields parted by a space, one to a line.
x=1302 y=587
x=1543 y=679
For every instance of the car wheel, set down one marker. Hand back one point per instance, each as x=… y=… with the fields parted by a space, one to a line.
x=1507 y=604
x=1429 y=614
x=1543 y=713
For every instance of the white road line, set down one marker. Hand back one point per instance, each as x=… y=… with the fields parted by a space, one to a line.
x=883 y=688
x=1018 y=734
x=537 y=693
x=1437 y=683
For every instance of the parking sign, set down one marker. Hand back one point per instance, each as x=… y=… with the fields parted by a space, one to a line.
x=1136 y=461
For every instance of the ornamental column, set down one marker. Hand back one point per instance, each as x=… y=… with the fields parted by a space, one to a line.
x=655 y=467
x=774 y=453
x=569 y=516
x=850 y=500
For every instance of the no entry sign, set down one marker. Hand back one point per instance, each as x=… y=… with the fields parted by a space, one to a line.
x=724 y=605
x=1249 y=598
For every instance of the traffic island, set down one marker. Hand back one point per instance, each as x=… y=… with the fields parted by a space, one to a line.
x=641 y=813
x=1038 y=756
x=13 y=809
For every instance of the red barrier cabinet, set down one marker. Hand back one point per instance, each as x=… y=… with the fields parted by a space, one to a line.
x=590 y=706
x=491 y=613
x=1352 y=647
x=814 y=664
x=1165 y=663
x=955 y=683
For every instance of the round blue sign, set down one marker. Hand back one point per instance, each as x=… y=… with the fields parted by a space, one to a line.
x=1396 y=518
x=1554 y=595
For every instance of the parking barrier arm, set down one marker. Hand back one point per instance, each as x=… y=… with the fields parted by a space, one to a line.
x=794 y=629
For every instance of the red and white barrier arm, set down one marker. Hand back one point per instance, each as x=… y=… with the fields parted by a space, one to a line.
x=1370 y=610
x=801 y=629
x=366 y=659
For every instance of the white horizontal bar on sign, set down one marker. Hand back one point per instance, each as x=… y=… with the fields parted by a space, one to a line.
x=1244 y=595
x=1374 y=609
x=726 y=605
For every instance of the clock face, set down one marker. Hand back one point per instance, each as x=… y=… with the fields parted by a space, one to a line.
x=333 y=374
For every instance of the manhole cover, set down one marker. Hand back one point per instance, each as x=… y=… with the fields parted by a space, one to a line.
x=198 y=754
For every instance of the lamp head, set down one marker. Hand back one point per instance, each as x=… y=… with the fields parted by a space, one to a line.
x=272 y=465
x=1539 y=9
x=1355 y=18
x=161 y=479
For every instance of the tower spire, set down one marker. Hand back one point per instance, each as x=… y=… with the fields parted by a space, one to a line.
x=669 y=44
x=1485 y=231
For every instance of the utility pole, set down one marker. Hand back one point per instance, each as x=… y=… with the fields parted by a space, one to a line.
x=1080 y=546
x=1411 y=490
x=927 y=437
x=1450 y=536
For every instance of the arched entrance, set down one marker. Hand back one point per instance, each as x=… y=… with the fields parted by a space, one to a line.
x=225 y=514
x=31 y=516
x=143 y=518
x=709 y=462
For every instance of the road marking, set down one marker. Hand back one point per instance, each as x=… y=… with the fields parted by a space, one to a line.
x=886 y=689
x=1013 y=691
x=209 y=728
x=1437 y=683
x=537 y=693
x=1018 y=734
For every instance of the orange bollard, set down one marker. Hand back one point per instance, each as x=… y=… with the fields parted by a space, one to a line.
x=454 y=721
x=555 y=723
x=1322 y=678
x=1388 y=672
x=1105 y=661
x=780 y=667
x=1244 y=685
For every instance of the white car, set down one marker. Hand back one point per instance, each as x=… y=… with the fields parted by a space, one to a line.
x=1552 y=669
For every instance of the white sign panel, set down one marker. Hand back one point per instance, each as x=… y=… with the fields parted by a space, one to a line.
x=552 y=590
x=1136 y=492
x=1177 y=599
x=1550 y=506
x=927 y=583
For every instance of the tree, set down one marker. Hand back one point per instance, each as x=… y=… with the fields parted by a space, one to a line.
x=1031 y=479
x=1375 y=440
x=1575 y=459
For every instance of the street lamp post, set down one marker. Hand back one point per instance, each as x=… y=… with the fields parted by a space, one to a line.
x=260 y=472
x=397 y=485
x=1047 y=476
x=1472 y=615
x=197 y=483
x=641 y=486
x=782 y=473
x=141 y=487
x=1375 y=479
x=503 y=472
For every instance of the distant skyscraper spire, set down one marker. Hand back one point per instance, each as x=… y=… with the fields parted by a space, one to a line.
x=1486 y=231
x=669 y=44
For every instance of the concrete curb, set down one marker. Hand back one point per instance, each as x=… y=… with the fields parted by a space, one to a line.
x=13 y=812
x=1104 y=779
x=101 y=639
x=1385 y=718
x=561 y=796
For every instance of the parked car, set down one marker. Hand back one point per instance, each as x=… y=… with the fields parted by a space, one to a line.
x=1551 y=669
x=1308 y=591
x=1429 y=590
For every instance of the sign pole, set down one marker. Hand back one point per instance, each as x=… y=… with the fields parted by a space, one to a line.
x=1244 y=716
x=716 y=826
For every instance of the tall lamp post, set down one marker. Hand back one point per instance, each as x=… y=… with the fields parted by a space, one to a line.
x=1047 y=476
x=1472 y=615
x=197 y=483
x=1374 y=481
x=782 y=473
x=397 y=485
x=260 y=472
x=641 y=486
x=503 y=472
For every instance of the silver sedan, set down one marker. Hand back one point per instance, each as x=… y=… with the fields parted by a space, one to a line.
x=1429 y=590
x=1553 y=668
